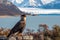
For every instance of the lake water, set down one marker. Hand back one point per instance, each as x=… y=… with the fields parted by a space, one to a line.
x=32 y=22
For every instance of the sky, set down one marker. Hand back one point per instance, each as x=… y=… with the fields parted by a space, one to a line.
x=32 y=22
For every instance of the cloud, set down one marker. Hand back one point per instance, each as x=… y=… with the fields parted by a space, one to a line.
x=40 y=11
x=19 y=1
x=47 y=1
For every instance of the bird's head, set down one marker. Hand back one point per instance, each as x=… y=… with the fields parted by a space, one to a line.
x=23 y=17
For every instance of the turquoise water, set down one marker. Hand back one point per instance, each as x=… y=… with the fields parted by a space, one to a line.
x=32 y=22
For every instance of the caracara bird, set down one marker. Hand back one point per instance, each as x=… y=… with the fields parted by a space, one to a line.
x=19 y=27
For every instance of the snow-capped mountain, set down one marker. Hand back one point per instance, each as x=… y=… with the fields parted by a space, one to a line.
x=10 y=9
x=31 y=6
x=53 y=5
x=38 y=6
x=46 y=4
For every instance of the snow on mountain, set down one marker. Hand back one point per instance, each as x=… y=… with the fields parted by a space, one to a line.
x=46 y=1
x=48 y=4
x=53 y=5
x=19 y=1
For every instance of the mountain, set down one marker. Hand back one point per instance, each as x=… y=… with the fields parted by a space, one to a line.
x=10 y=9
x=38 y=4
x=53 y=5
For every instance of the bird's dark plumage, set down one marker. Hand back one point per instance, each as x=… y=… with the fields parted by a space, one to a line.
x=19 y=27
